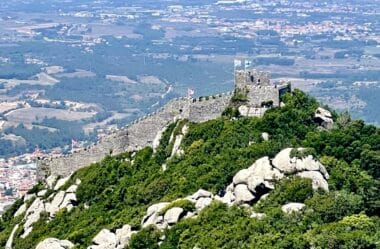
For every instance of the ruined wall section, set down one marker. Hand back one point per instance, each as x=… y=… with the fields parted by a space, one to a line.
x=138 y=134
x=205 y=109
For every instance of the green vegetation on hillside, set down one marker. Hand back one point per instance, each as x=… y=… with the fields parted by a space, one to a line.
x=119 y=189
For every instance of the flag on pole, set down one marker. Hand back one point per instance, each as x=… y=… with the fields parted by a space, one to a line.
x=190 y=92
x=237 y=63
x=74 y=143
x=247 y=64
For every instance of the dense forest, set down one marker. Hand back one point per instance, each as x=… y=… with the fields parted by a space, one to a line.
x=118 y=190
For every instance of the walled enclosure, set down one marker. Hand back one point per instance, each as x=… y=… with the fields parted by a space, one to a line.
x=143 y=131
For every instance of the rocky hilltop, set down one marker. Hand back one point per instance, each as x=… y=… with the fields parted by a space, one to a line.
x=299 y=176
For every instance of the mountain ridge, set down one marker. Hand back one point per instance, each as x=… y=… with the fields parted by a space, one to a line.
x=119 y=191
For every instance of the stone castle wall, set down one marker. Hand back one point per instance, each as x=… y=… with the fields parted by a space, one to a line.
x=144 y=131
x=258 y=94
x=138 y=134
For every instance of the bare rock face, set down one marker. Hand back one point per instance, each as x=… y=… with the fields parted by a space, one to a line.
x=324 y=118
x=9 y=243
x=61 y=182
x=20 y=210
x=241 y=177
x=318 y=181
x=32 y=215
x=282 y=162
x=42 y=193
x=52 y=243
x=29 y=197
x=123 y=236
x=292 y=207
x=173 y=215
x=243 y=194
x=201 y=193
x=72 y=189
x=152 y=216
x=54 y=206
x=105 y=239
x=202 y=203
x=156 y=208
x=263 y=168
x=50 y=181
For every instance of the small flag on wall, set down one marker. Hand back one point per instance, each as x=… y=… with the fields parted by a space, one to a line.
x=247 y=63
x=237 y=63
x=190 y=92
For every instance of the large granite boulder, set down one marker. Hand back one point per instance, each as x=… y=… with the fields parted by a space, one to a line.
x=123 y=236
x=263 y=168
x=173 y=215
x=243 y=194
x=202 y=203
x=50 y=181
x=152 y=216
x=105 y=239
x=32 y=215
x=53 y=207
x=317 y=179
x=201 y=193
x=282 y=162
x=324 y=118
x=9 y=243
x=61 y=182
x=241 y=177
x=52 y=243
x=292 y=207
x=20 y=210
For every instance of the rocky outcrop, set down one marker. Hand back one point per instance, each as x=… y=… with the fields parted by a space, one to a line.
x=324 y=118
x=153 y=216
x=32 y=215
x=106 y=239
x=176 y=151
x=250 y=184
x=9 y=243
x=20 y=210
x=173 y=215
x=52 y=243
x=292 y=207
x=55 y=202
x=61 y=182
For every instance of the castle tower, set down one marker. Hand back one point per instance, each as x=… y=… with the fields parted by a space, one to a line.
x=244 y=78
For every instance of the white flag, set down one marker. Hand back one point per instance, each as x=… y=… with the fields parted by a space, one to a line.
x=237 y=63
x=247 y=63
x=190 y=92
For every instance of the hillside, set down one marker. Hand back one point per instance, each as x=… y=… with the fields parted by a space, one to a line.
x=231 y=182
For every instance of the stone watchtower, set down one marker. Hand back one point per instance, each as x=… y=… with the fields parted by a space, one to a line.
x=251 y=77
x=261 y=93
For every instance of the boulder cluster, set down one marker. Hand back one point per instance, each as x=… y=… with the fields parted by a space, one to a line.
x=163 y=218
x=248 y=186
x=253 y=183
x=57 y=200
x=52 y=243
x=106 y=239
